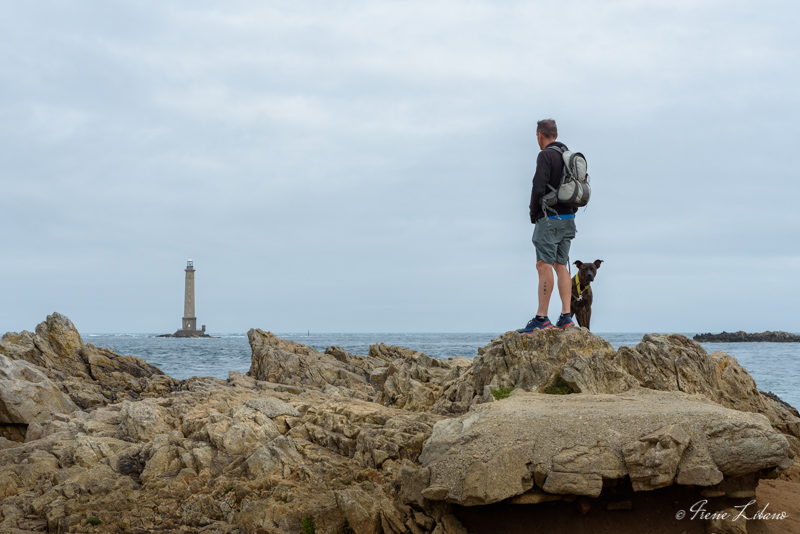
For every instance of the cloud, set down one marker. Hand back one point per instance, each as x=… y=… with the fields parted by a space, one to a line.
x=367 y=165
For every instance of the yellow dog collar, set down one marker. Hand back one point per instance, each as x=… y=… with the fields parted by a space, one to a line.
x=578 y=284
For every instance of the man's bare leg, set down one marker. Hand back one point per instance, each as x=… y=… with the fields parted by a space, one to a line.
x=545 y=286
x=564 y=286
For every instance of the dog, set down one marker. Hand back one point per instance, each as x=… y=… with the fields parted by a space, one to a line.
x=581 y=303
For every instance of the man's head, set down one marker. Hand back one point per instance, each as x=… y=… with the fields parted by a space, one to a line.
x=546 y=132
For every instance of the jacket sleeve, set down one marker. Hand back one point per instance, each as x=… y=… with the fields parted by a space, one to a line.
x=540 y=181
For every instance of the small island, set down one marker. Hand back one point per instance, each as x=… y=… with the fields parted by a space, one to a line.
x=187 y=333
x=743 y=337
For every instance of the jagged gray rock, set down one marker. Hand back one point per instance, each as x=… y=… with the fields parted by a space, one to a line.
x=676 y=363
x=286 y=362
x=390 y=375
x=91 y=376
x=652 y=460
x=414 y=380
x=531 y=362
x=27 y=395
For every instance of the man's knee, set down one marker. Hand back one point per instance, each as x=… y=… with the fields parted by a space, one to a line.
x=543 y=266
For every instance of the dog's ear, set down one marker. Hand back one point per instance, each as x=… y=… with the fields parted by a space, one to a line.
x=578 y=264
x=597 y=263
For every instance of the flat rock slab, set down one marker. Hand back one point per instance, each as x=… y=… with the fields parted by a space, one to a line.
x=569 y=444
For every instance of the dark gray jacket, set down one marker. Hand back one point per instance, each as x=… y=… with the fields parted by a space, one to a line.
x=549 y=167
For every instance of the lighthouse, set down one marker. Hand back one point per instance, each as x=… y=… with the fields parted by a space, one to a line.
x=189 y=321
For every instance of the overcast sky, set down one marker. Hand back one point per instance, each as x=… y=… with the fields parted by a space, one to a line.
x=366 y=166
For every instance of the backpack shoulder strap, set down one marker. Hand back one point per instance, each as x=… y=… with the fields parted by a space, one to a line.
x=558 y=149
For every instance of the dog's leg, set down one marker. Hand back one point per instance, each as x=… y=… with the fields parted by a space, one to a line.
x=582 y=317
x=589 y=297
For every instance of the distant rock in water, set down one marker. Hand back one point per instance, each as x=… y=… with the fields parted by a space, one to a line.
x=742 y=337
x=186 y=333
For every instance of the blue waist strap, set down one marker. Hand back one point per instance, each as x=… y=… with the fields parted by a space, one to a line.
x=570 y=216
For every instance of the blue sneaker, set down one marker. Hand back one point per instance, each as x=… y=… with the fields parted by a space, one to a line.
x=564 y=320
x=533 y=324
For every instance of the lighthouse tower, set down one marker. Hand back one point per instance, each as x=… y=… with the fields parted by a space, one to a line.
x=189 y=319
x=189 y=322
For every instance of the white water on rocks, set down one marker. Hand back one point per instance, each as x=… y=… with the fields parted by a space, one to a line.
x=774 y=366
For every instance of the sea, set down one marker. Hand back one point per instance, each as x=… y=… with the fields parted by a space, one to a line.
x=774 y=366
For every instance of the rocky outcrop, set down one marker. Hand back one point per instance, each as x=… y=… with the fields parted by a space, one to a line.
x=390 y=375
x=415 y=381
x=91 y=376
x=574 y=444
x=743 y=337
x=533 y=362
x=27 y=395
x=229 y=456
x=676 y=363
x=581 y=362
x=286 y=362
x=383 y=443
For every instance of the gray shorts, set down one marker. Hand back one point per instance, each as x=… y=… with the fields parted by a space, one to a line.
x=552 y=238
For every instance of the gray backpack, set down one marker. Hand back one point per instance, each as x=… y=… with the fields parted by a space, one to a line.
x=574 y=188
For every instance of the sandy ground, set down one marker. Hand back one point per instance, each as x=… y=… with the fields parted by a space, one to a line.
x=650 y=512
x=780 y=496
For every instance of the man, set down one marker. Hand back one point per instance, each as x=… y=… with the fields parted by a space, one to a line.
x=555 y=228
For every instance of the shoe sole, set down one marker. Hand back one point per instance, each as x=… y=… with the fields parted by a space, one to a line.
x=543 y=328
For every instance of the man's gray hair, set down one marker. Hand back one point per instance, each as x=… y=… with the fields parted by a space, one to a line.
x=547 y=127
